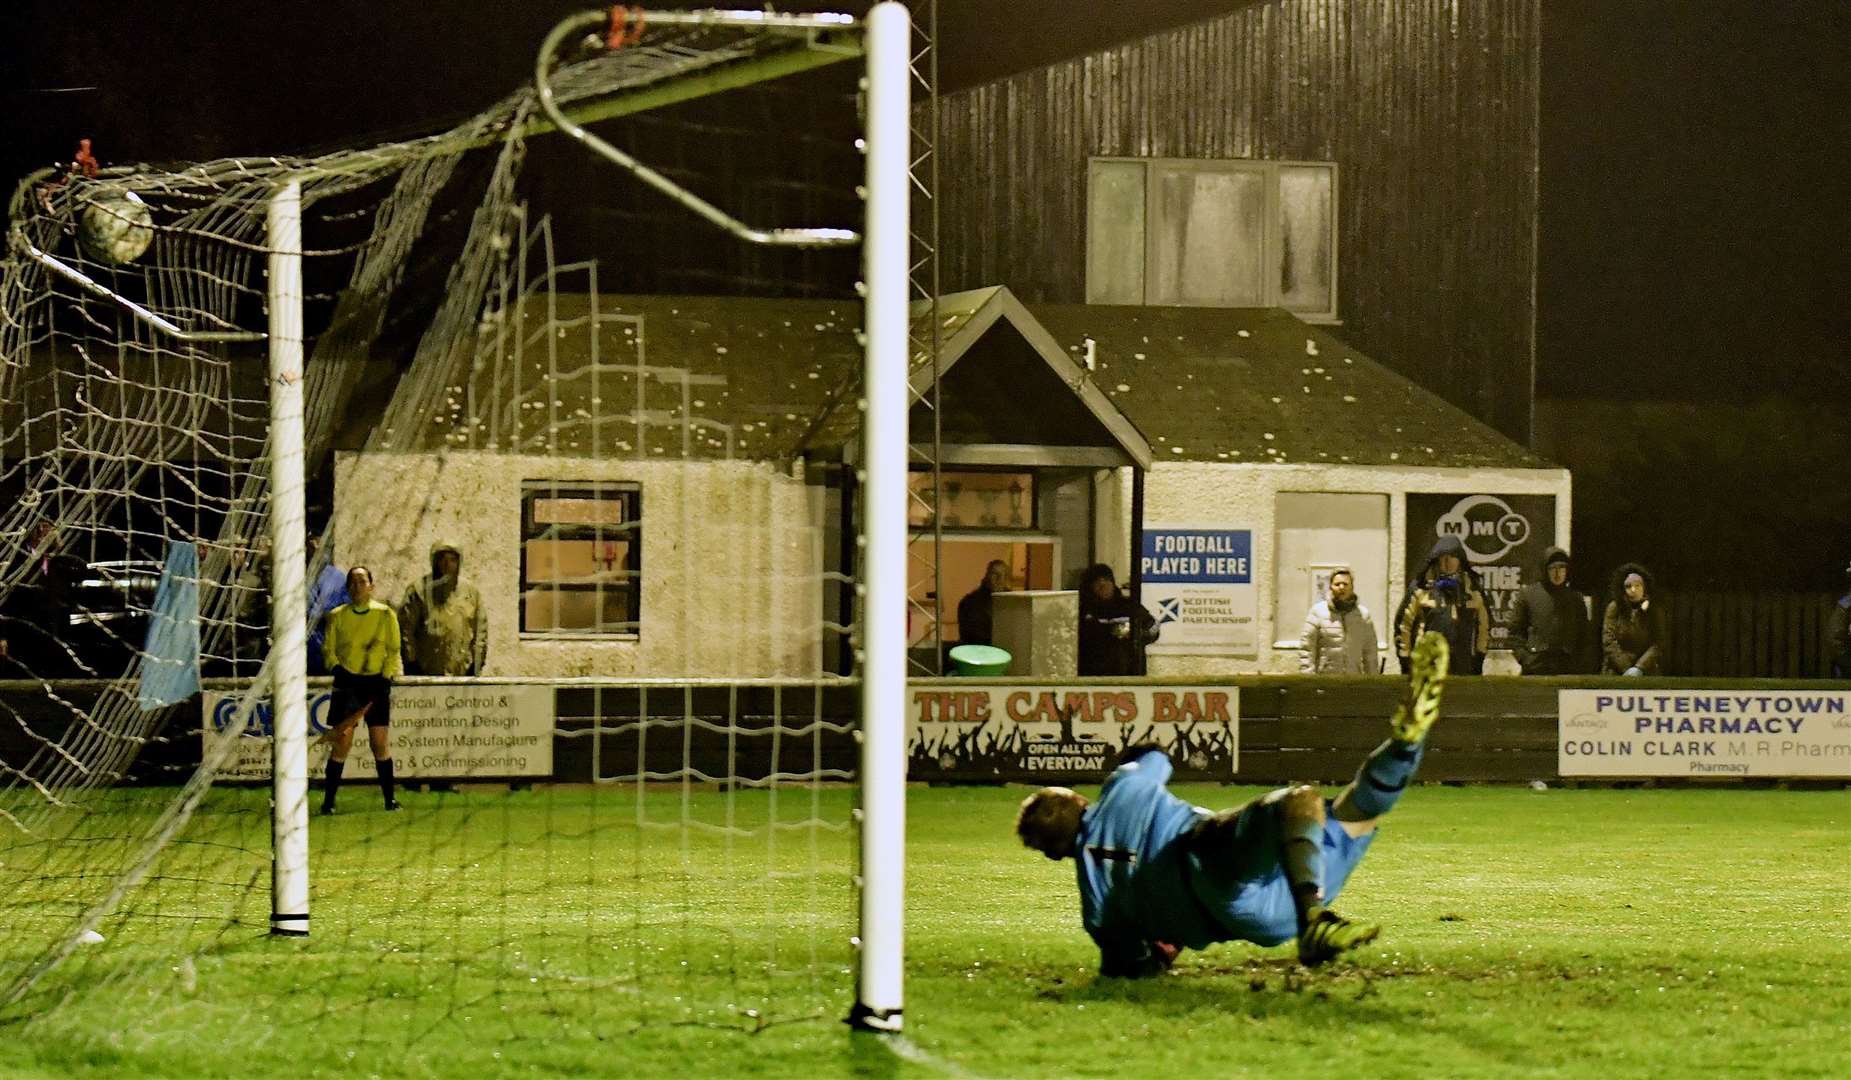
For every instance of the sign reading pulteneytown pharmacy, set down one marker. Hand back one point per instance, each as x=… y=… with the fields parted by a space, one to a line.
x=1704 y=732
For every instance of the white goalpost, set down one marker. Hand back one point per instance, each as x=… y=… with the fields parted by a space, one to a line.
x=190 y=400
x=289 y=899
x=887 y=399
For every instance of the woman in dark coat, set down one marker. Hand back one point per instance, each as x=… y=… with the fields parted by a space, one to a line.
x=1633 y=637
x=1113 y=628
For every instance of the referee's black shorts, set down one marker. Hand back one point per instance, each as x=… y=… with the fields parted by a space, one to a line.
x=355 y=692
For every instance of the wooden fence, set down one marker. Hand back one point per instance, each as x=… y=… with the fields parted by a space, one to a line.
x=1291 y=728
x=1750 y=635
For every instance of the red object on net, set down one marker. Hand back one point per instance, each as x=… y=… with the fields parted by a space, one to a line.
x=622 y=31
x=84 y=162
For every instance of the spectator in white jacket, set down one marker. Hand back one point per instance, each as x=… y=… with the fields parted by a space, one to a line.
x=1339 y=636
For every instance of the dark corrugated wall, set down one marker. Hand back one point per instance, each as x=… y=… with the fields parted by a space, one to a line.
x=1429 y=108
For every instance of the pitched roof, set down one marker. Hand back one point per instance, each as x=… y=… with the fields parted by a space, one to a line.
x=752 y=378
x=768 y=379
x=993 y=357
x=1260 y=385
x=703 y=377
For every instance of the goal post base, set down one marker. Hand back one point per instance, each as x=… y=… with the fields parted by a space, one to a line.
x=289 y=926
x=867 y=1018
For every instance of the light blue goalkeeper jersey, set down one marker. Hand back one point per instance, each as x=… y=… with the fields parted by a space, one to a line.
x=1144 y=877
x=1134 y=875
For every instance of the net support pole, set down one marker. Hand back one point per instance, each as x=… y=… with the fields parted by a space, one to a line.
x=289 y=906
x=885 y=278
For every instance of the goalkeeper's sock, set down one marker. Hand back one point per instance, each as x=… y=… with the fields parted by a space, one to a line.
x=335 y=768
x=1304 y=866
x=386 y=782
x=1385 y=774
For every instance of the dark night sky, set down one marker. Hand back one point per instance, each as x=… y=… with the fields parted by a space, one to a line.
x=1694 y=219
x=1694 y=152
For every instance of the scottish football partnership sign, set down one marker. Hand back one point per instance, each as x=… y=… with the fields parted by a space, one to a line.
x=1198 y=585
x=1504 y=536
x=1704 y=733
x=1068 y=734
x=438 y=732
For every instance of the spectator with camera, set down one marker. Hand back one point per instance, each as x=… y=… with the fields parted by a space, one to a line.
x=1447 y=598
x=1114 y=629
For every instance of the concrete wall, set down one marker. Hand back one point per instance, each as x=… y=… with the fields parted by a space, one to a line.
x=731 y=552
x=1243 y=496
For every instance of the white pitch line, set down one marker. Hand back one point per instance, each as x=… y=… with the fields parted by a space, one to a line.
x=908 y=1050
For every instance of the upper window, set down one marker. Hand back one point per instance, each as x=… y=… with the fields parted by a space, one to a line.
x=973 y=500
x=581 y=559
x=1213 y=234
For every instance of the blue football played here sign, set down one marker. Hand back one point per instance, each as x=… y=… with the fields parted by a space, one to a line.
x=1198 y=585
x=1198 y=556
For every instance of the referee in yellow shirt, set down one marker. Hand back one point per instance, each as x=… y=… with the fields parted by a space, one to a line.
x=362 y=651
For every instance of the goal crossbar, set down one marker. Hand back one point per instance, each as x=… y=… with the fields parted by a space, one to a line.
x=646 y=79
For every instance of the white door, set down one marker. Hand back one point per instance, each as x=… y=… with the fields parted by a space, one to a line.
x=1317 y=532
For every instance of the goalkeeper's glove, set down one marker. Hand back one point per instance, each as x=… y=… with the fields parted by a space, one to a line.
x=1132 y=753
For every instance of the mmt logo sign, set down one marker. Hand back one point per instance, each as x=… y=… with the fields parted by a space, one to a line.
x=1487 y=526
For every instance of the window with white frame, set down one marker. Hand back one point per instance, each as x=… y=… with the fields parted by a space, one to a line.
x=581 y=559
x=1213 y=233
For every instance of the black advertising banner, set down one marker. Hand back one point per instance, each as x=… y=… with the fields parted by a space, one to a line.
x=1504 y=535
x=1068 y=734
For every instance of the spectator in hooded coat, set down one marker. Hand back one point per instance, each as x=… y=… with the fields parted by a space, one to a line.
x=444 y=625
x=1549 y=627
x=1449 y=599
x=1633 y=636
x=1113 y=628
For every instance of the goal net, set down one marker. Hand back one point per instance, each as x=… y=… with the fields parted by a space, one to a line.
x=574 y=402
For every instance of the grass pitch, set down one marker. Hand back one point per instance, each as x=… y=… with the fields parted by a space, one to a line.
x=1643 y=933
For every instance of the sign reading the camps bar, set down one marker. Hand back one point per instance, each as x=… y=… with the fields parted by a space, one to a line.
x=1504 y=536
x=439 y=732
x=1197 y=582
x=1051 y=734
x=1688 y=732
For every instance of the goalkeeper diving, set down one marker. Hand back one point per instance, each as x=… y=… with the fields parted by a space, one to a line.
x=1158 y=874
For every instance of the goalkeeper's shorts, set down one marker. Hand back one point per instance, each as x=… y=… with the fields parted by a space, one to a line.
x=1236 y=872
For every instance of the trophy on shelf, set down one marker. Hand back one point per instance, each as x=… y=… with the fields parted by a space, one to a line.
x=988 y=497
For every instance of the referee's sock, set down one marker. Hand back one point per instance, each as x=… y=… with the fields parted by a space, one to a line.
x=335 y=768
x=1385 y=774
x=385 y=780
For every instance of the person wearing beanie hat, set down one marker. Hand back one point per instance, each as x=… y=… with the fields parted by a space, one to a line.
x=1114 y=629
x=1549 y=627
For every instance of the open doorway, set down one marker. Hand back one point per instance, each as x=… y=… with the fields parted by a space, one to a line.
x=1032 y=563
